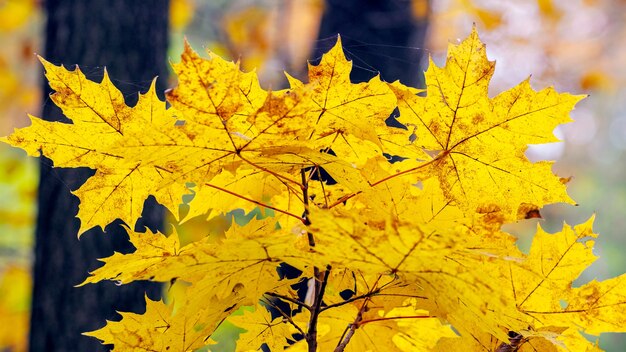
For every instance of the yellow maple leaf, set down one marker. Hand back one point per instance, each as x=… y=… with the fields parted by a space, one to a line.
x=549 y=339
x=479 y=142
x=346 y=117
x=261 y=328
x=548 y=311
x=212 y=91
x=542 y=284
x=554 y=262
x=158 y=329
x=266 y=132
x=224 y=275
x=246 y=258
x=467 y=271
x=112 y=138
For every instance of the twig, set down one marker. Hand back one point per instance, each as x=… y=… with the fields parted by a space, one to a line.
x=285 y=315
x=344 y=198
x=351 y=329
x=350 y=300
x=289 y=299
x=320 y=287
x=255 y=202
x=305 y=217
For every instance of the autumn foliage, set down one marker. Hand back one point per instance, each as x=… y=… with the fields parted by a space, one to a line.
x=395 y=232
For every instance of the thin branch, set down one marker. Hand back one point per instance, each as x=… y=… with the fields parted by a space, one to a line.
x=351 y=329
x=343 y=335
x=286 y=316
x=320 y=287
x=312 y=173
x=256 y=202
x=319 y=177
x=350 y=300
x=289 y=299
x=343 y=199
x=305 y=195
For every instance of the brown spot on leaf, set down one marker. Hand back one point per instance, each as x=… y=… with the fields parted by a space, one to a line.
x=487 y=208
x=478 y=118
x=528 y=211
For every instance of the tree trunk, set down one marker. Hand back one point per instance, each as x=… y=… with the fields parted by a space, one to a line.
x=379 y=36
x=130 y=39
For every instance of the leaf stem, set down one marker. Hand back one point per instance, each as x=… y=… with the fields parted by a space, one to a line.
x=404 y=172
x=256 y=202
x=363 y=322
x=278 y=176
x=374 y=184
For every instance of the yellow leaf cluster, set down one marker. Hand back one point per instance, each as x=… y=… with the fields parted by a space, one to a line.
x=376 y=237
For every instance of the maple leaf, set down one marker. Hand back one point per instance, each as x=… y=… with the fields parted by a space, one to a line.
x=158 y=329
x=261 y=328
x=131 y=149
x=224 y=275
x=246 y=258
x=433 y=259
x=210 y=92
x=544 y=282
x=548 y=339
x=479 y=142
x=541 y=289
x=346 y=117
x=554 y=262
x=266 y=133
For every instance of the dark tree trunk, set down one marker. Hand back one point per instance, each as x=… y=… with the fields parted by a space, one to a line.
x=377 y=35
x=130 y=38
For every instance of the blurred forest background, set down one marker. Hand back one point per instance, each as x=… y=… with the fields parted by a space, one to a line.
x=579 y=46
